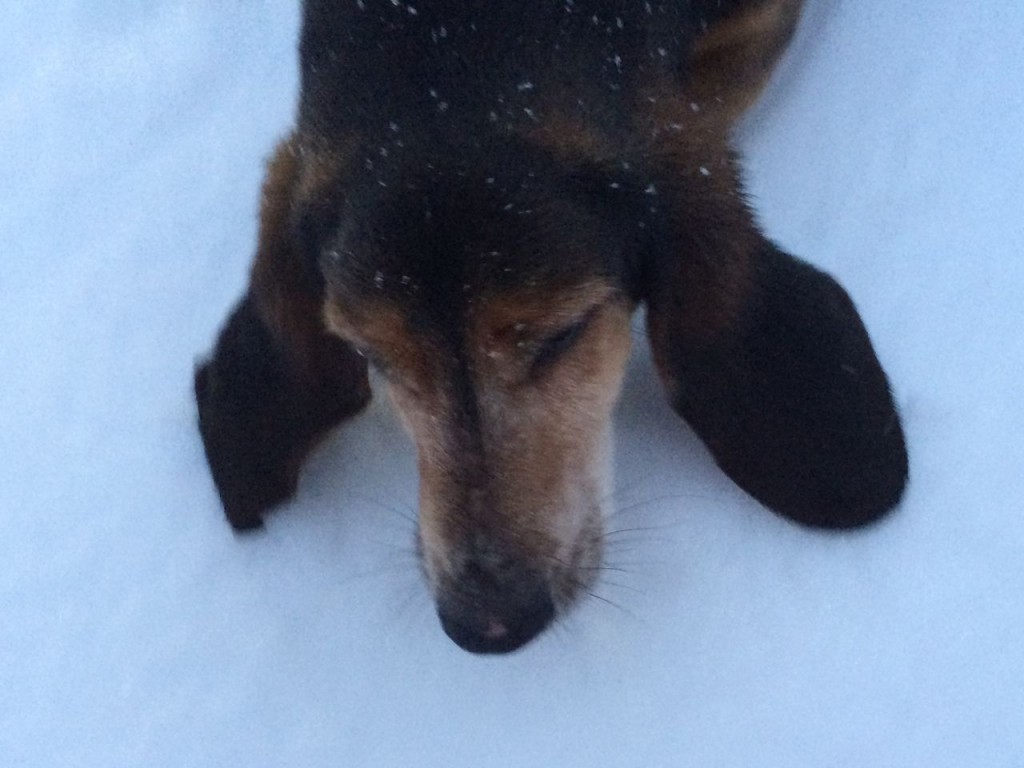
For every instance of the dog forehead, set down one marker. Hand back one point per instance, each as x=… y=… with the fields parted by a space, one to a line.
x=397 y=310
x=536 y=308
x=436 y=276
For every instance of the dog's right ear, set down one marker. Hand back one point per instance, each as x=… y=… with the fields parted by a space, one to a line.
x=277 y=381
x=768 y=360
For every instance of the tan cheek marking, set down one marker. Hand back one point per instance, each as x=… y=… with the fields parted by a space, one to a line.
x=382 y=329
x=378 y=324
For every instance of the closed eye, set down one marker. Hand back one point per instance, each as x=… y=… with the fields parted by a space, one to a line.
x=557 y=345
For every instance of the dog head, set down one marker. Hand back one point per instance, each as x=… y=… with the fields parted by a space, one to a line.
x=477 y=206
x=495 y=303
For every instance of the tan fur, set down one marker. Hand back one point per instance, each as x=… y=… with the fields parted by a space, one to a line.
x=382 y=327
x=274 y=276
x=281 y=290
x=734 y=59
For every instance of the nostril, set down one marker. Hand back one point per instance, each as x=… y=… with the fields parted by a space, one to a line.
x=494 y=627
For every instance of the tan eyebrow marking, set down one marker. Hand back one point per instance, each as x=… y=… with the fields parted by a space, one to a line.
x=507 y=332
x=536 y=312
x=383 y=329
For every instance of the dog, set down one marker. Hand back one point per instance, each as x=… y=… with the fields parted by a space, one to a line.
x=476 y=197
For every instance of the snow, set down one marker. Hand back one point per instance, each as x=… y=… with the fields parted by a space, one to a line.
x=136 y=630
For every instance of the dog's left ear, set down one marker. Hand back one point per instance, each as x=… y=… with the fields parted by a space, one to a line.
x=767 y=359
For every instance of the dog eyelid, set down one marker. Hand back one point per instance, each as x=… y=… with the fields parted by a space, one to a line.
x=554 y=346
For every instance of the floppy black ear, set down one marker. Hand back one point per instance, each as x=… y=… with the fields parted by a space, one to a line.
x=767 y=359
x=260 y=415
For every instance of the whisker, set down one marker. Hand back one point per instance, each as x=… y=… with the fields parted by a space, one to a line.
x=612 y=603
x=606 y=601
x=615 y=546
x=619 y=585
x=585 y=588
x=639 y=564
x=642 y=529
x=601 y=568
x=620 y=531
x=656 y=500
x=409 y=516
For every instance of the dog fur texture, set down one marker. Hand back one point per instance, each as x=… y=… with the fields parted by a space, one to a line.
x=475 y=198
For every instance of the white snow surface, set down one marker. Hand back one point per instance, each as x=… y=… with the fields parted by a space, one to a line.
x=136 y=630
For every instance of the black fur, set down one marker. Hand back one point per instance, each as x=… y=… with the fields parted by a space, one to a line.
x=793 y=403
x=461 y=67
x=258 y=419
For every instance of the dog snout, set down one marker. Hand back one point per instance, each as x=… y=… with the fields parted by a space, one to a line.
x=495 y=607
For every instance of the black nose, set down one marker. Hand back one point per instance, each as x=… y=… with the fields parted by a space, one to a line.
x=483 y=614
